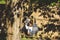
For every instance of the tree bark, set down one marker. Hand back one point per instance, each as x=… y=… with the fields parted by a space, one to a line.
x=16 y=29
x=9 y=30
x=13 y=31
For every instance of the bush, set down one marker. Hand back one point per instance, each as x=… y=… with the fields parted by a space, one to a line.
x=53 y=4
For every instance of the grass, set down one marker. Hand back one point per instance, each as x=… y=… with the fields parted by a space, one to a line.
x=26 y=39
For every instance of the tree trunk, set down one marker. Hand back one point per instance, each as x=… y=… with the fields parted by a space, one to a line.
x=13 y=31
x=9 y=31
x=16 y=29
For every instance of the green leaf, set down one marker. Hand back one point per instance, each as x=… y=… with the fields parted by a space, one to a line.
x=33 y=1
x=58 y=0
x=53 y=4
x=2 y=2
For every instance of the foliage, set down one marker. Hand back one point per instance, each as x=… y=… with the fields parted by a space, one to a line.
x=43 y=1
x=2 y=2
x=53 y=4
x=58 y=0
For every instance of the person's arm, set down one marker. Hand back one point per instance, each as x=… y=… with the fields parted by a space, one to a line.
x=28 y=32
x=27 y=29
x=26 y=26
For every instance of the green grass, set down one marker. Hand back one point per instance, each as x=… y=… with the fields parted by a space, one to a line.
x=26 y=38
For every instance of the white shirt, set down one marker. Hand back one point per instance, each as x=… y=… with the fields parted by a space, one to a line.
x=29 y=28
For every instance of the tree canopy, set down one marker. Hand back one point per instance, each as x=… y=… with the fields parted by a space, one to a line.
x=2 y=2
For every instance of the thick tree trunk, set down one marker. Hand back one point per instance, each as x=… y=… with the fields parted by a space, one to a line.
x=9 y=31
x=16 y=29
x=13 y=32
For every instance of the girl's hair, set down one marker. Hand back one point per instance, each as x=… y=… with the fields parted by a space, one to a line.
x=31 y=22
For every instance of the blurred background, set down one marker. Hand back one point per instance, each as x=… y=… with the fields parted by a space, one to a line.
x=45 y=12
